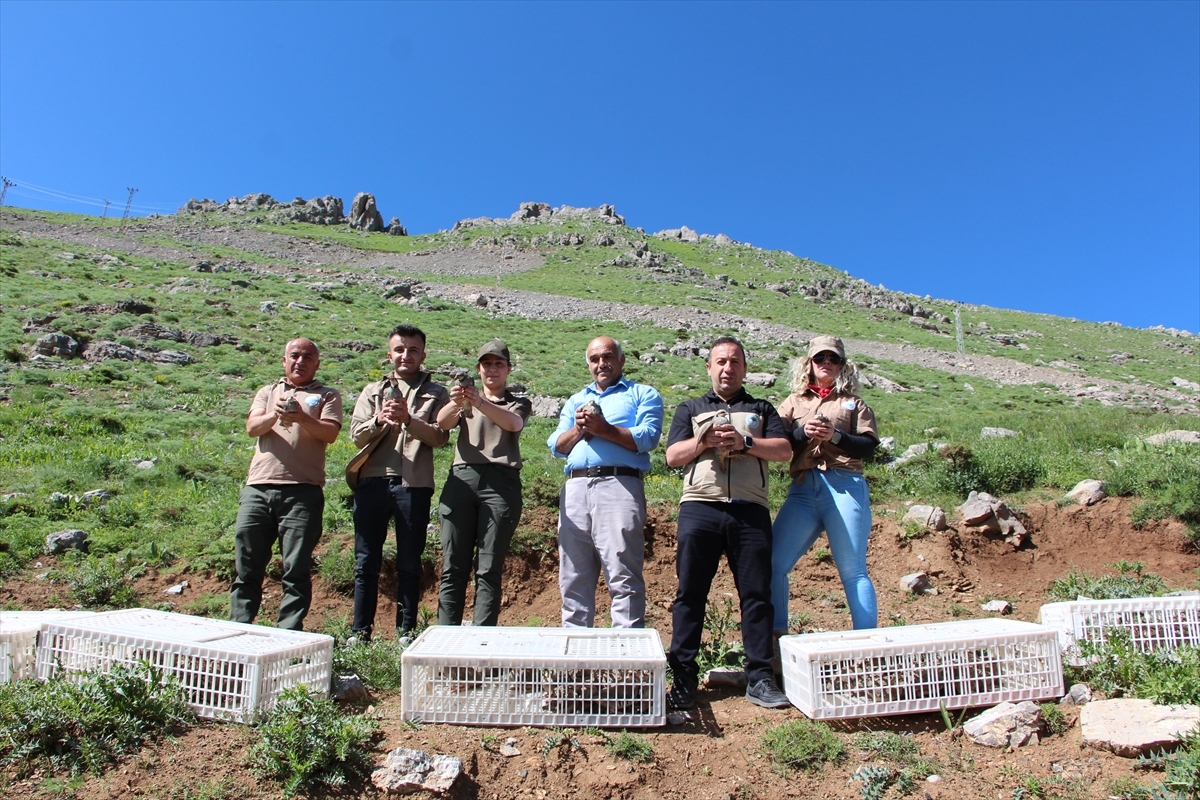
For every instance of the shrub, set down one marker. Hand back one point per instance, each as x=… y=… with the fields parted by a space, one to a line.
x=802 y=744
x=1164 y=676
x=85 y=726
x=1128 y=582
x=377 y=662
x=1182 y=779
x=305 y=740
x=630 y=747
x=100 y=583
x=718 y=650
x=1053 y=718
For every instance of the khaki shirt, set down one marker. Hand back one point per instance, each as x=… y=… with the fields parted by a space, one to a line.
x=406 y=451
x=291 y=454
x=481 y=441
x=848 y=413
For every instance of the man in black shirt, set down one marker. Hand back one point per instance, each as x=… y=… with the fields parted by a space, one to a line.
x=723 y=441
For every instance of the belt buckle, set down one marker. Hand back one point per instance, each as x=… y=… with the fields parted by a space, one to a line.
x=594 y=472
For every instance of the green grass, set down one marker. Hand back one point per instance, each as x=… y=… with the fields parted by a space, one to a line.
x=1129 y=581
x=630 y=746
x=1117 y=669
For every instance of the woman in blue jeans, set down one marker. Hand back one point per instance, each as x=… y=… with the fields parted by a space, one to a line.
x=833 y=431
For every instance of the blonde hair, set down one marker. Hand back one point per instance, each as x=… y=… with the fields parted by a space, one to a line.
x=846 y=382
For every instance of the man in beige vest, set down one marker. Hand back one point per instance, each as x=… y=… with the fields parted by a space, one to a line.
x=395 y=425
x=294 y=420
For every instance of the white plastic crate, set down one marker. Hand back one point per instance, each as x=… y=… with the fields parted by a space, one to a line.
x=578 y=677
x=1152 y=623
x=229 y=670
x=918 y=668
x=18 y=640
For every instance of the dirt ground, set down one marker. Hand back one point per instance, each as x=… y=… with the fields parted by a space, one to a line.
x=717 y=754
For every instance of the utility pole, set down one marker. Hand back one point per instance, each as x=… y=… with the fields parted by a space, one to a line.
x=958 y=334
x=104 y=216
x=4 y=191
x=128 y=203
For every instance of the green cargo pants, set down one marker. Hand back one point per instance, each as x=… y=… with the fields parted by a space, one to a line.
x=480 y=507
x=290 y=513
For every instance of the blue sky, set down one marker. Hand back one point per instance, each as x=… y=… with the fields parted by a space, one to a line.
x=1037 y=156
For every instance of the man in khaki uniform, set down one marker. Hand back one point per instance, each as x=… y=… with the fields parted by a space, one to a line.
x=395 y=425
x=294 y=420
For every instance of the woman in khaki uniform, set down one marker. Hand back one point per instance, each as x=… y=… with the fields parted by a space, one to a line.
x=481 y=500
x=833 y=430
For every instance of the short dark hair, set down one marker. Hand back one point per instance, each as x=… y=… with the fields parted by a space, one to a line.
x=727 y=340
x=408 y=330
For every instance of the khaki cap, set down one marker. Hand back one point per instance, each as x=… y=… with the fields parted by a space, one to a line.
x=494 y=348
x=821 y=344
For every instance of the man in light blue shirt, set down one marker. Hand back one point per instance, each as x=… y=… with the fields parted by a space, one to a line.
x=605 y=433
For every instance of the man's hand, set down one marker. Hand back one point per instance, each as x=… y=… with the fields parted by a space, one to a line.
x=393 y=412
x=723 y=437
x=591 y=422
x=287 y=411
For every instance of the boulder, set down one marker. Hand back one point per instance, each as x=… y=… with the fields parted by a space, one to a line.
x=56 y=344
x=545 y=406
x=1169 y=437
x=1012 y=529
x=394 y=228
x=364 y=215
x=173 y=357
x=106 y=351
x=301 y=307
x=406 y=770
x=916 y=583
x=996 y=433
x=997 y=607
x=929 y=516
x=760 y=379
x=1006 y=725
x=978 y=508
x=1184 y=383
x=1087 y=492
x=913 y=451
x=532 y=211
x=94 y=497
x=61 y=541
x=350 y=689
x=269 y=307
x=476 y=300
x=649 y=358
x=1131 y=727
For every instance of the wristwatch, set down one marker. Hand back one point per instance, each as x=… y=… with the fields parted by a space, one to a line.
x=837 y=436
x=749 y=441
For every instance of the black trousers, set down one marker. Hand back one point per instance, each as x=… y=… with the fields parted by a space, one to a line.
x=742 y=531
x=376 y=502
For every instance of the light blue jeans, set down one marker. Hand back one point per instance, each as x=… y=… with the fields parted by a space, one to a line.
x=834 y=500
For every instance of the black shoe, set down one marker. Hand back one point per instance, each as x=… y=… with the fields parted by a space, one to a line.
x=681 y=698
x=766 y=693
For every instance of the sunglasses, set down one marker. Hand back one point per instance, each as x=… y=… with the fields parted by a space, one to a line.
x=827 y=358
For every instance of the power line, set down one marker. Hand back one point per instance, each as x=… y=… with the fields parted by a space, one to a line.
x=84 y=199
x=128 y=203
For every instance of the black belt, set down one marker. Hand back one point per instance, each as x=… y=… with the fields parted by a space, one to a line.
x=606 y=472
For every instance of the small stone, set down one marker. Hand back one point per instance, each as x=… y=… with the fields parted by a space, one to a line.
x=476 y=300
x=678 y=717
x=1087 y=492
x=147 y=464
x=269 y=307
x=406 y=770
x=177 y=589
x=301 y=307
x=61 y=541
x=934 y=779
x=725 y=677
x=509 y=748
x=1079 y=694
x=997 y=607
x=978 y=508
x=916 y=583
x=95 y=496
x=928 y=516
x=1006 y=725
x=997 y=433
x=350 y=689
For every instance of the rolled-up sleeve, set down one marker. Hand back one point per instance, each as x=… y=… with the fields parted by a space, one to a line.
x=647 y=428
x=566 y=421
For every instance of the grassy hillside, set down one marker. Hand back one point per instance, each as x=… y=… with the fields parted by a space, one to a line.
x=68 y=426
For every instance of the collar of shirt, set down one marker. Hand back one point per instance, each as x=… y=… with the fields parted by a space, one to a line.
x=742 y=396
x=417 y=380
x=311 y=386
x=622 y=383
